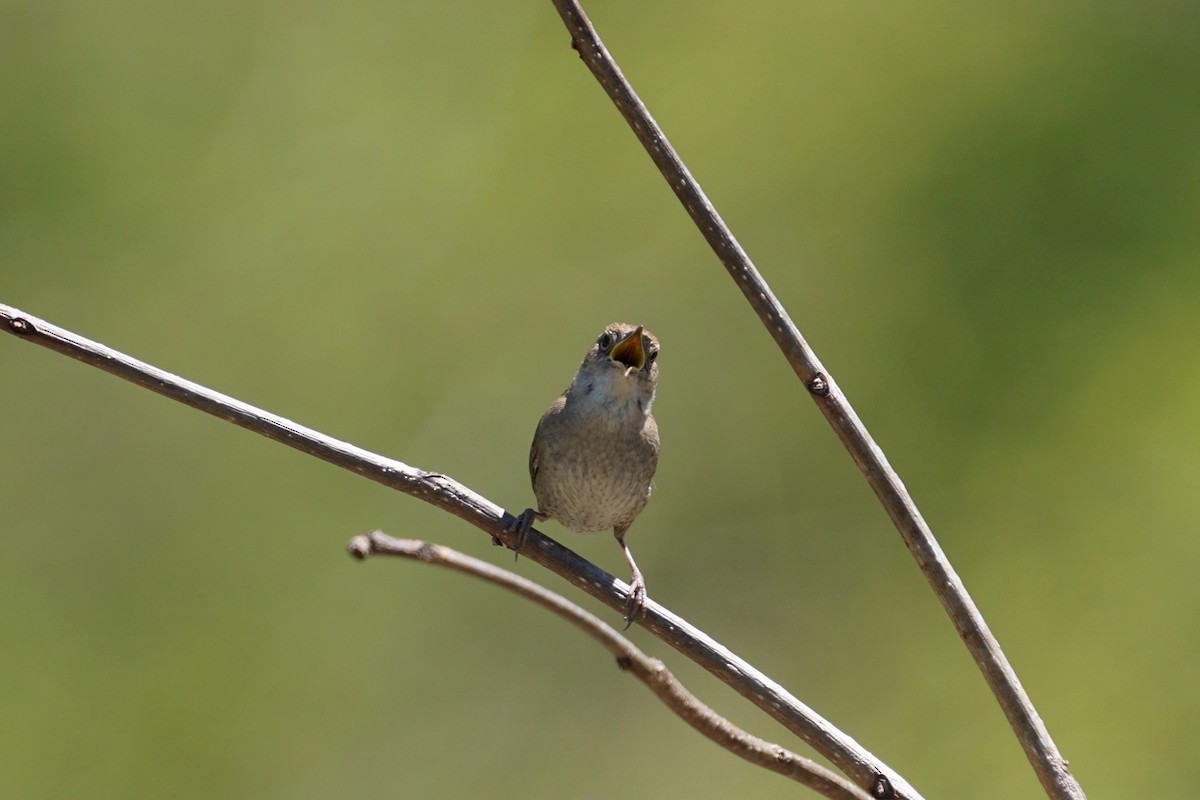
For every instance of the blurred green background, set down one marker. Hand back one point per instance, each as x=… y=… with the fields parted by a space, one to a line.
x=402 y=224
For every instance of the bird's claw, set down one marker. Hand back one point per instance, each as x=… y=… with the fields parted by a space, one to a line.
x=519 y=527
x=635 y=604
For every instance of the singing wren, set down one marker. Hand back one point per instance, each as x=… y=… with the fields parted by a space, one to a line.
x=596 y=448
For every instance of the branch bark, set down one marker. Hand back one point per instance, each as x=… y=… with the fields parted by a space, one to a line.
x=1043 y=755
x=448 y=494
x=650 y=671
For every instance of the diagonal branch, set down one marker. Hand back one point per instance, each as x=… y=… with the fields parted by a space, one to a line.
x=1050 y=766
x=649 y=671
x=450 y=495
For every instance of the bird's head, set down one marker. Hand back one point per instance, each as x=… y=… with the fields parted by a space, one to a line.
x=622 y=363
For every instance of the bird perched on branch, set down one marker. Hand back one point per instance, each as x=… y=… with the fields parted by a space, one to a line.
x=596 y=448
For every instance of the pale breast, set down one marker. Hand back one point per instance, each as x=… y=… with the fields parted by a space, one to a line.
x=593 y=479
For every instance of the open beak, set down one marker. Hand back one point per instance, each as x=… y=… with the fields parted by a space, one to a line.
x=629 y=351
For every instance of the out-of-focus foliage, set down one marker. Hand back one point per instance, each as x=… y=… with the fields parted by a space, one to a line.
x=402 y=223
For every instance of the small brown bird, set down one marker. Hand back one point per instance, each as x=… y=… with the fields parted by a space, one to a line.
x=596 y=448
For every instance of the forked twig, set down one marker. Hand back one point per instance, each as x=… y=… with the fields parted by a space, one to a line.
x=1050 y=766
x=450 y=495
x=650 y=671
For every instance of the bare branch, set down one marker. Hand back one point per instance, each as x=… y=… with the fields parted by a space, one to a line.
x=649 y=671
x=450 y=495
x=1049 y=765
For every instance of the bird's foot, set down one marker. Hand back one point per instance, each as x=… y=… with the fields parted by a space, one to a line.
x=635 y=604
x=519 y=527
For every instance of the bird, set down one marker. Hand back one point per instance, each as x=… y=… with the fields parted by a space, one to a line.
x=595 y=450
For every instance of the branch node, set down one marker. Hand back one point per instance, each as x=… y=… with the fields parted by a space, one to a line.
x=819 y=385
x=21 y=326
x=624 y=663
x=882 y=788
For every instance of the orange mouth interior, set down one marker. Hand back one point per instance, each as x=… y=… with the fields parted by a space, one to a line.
x=629 y=351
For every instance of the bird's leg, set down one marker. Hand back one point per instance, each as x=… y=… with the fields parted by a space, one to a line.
x=636 y=603
x=520 y=526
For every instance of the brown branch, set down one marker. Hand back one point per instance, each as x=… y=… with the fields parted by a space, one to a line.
x=1050 y=766
x=650 y=671
x=450 y=495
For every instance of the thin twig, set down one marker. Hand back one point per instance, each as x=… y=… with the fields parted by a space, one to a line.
x=450 y=495
x=649 y=671
x=1047 y=762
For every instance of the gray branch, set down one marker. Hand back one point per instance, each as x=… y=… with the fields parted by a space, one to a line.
x=650 y=671
x=1050 y=766
x=450 y=495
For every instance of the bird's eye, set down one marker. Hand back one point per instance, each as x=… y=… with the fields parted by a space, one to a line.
x=650 y=356
x=606 y=340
